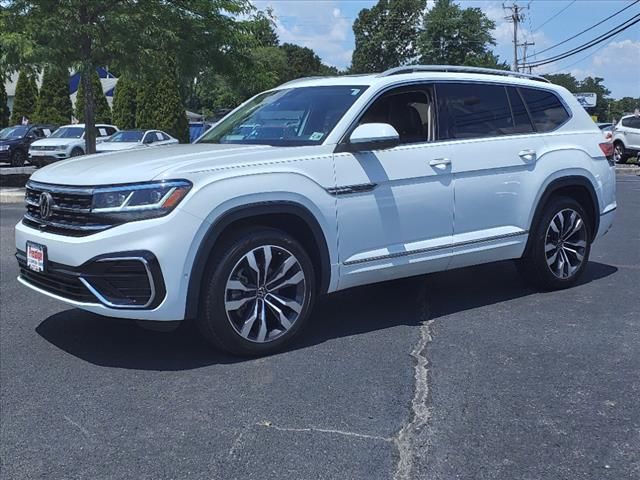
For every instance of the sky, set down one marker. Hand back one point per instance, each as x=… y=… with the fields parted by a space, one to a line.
x=326 y=27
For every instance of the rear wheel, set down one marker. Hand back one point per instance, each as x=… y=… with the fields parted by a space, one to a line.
x=258 y=294
x=559 y=246
x=18 y=158
x=619 y=153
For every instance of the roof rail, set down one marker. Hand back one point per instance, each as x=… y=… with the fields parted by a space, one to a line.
x=460 y=69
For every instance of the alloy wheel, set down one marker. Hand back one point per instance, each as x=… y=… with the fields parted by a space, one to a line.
x=265 y=293
x=617 y=153
x=565 y=243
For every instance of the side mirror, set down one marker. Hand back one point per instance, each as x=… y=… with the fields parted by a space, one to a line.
x=373 y=136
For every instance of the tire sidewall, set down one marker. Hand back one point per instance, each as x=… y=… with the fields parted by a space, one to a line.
x=76 y=152
x=18 y=158
x=546 y=278
x=213 y=318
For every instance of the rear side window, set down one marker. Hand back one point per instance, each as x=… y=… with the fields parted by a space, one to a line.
x=546 y=110
x=470 y=110
x=521 y=120
x=631 y=122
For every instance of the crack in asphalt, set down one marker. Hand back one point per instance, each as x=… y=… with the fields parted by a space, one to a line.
x=420 y=413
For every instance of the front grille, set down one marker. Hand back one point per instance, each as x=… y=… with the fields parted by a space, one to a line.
x=70 y=210
x=44 y=147
x=56 y=279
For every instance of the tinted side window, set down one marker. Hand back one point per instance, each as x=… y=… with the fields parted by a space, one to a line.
x=547 y=112
x=521 y=120
x=631 y=122
x=469 y=110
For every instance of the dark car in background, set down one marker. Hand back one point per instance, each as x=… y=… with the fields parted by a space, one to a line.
x=15 y=142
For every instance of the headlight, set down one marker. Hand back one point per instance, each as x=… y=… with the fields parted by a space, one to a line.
x=139 y=201
x=4 y=147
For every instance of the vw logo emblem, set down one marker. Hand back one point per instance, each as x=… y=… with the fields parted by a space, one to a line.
x=46 y=201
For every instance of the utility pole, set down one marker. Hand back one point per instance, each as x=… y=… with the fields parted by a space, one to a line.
x=524 y=54
x=515 y=16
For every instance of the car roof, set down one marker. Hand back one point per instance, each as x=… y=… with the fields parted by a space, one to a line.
x=425 y=73
x=81 y=125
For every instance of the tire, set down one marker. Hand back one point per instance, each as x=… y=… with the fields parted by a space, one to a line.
x=545 y=263
x=76 y=152
x=619 y=153
x=230 y=299
x=18 y=158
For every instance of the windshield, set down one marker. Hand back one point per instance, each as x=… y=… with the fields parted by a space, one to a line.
x=68 y=132
x=126 y=136
x=13 y=132
x=290 y=117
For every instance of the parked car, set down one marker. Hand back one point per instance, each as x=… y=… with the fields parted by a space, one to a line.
x=626 y=138
x=15 y=141
x=607 y=130
x=320 y=185
x=128 y=139
x=67 y=141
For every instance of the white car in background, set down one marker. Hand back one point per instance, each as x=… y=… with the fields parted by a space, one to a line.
x=626 y=138
x=128 y=139
x=67 y=141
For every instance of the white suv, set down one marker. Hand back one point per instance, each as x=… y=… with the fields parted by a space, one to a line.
x=320 y=185
x=626 y=138
x=67 y=141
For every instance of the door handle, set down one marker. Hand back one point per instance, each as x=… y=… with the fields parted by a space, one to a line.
x=440 y=163
x=528 y=155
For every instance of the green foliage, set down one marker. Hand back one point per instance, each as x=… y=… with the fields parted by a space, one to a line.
x=300 y=62
x=54 y=104
x=565 y=80
x=262 y=29
x=452 y=35
x=160 y=106
x=101 y=106
x=385 y=35
x=124 y=103
x=24 y=103
x=4 y=108
x=624 y=106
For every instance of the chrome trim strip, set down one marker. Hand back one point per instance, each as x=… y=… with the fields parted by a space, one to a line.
x=59 y=188
x=106 y=302
x=88 y=228
x=53 y=295
x=433 y=249
x=605 y=212
x=349 y=189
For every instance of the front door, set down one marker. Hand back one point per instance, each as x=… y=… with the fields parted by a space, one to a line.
x=395 y=206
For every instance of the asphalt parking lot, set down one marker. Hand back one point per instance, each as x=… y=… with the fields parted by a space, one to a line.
x=465 y=374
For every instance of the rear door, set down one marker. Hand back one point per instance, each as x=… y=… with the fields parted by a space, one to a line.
x=493 y=149
x=631 y=132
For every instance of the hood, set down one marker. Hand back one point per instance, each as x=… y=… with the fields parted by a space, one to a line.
x=144 y=164
x=116 y=146
x=56 y=141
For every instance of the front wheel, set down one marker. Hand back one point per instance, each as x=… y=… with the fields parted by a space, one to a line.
x=258 y=292
x=559 y=245
x=18 y=158
x=76 y=152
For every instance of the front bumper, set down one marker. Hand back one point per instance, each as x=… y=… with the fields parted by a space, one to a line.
x=45 y=157
x=5 y=155
x=166 y=242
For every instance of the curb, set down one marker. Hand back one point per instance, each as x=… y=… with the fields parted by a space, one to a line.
x=12 y=195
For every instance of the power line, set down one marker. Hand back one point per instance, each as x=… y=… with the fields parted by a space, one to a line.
x=583 y=58
x=605 y=36
x=554 y=16
x=586 y=29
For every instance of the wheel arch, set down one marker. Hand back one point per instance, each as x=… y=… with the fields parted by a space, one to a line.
x=267 y=213
x=576 y=186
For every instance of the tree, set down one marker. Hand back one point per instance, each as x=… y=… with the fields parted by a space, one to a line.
x=626 y=105
x=452 y=35
x=100 y=105
x=4 y=108
x=24 y=103
x=87 y=35
x=300 y=62
x=124 y=103
x=54 y=104
x=160 y=106
x=565 y=80
x=261 y=27
x=386 y=34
